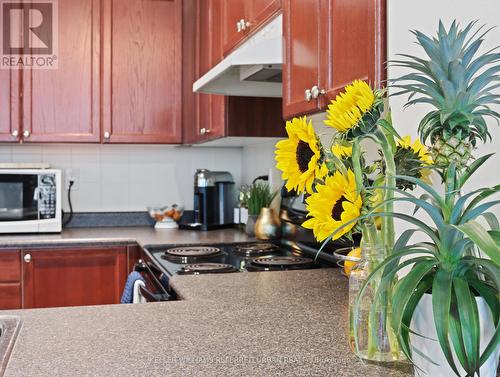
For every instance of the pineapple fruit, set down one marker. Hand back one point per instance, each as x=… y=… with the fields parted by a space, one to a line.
x=459 y=83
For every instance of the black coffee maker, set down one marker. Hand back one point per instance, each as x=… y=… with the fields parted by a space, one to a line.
x=214 y=201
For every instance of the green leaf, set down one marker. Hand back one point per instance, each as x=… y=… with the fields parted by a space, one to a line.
x=404 y=290
x=404 y=335
x=469 y=322
x=472 y=168
x=481 y=238
x=441 y=304
x=478 y=211
x=426 y=188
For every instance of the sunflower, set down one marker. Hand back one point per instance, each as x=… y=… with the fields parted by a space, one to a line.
x=412 y=159
x=342 y=152
x=351 y=109
x=335 y=203
x=299 y=156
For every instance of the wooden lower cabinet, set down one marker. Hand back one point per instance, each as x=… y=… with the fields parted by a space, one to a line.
x=10 y=279
x=74 y=276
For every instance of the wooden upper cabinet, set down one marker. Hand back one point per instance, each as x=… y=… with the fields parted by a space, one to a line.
x=62 y=105
x=240 y=18
x=233 y=11
x=301 y=71
x=262 y=10
x=9 y=111
x=328 y=44
x=210 y=108
x=74 y=276
x=142 y=73
x=355 y=47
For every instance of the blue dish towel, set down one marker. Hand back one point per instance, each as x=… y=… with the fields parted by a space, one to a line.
x=128 y=291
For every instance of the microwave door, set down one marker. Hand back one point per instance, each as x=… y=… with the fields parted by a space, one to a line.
x=18 y=197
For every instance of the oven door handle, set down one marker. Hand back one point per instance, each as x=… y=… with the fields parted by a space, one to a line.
x=151 y=297
x=144 y=266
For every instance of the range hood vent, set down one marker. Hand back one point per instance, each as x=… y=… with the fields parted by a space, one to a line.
x=254 y=69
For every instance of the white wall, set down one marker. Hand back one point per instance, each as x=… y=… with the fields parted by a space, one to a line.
x=424 y=15
x=128 y=177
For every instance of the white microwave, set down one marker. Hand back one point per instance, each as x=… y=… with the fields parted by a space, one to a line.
x=30 y=201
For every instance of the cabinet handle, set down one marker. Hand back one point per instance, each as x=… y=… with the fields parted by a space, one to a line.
x=107 y=135
x=308 y=95
x=15 y=133
x=26 y=134
x=27 y=258
x=316 y=92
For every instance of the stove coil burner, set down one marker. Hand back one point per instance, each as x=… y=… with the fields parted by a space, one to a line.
x=281 y=263
x=256 y=249
x=192 y=252
x=206 y=268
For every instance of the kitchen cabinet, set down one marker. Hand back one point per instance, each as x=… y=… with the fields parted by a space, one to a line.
x=142 y=72
x=73 y=276
x=218 y=116
x=301 y=69
x=241 y=18
x=10 y=279
x=62 y=105
x=328 y=44
x=10 y=128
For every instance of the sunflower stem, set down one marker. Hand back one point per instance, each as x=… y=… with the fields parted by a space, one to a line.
x=388 y=233
x=356 y=165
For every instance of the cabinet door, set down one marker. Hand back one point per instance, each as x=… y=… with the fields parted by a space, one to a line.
x=74 y=277
x=62 y=105
x=142 y=56
x=210 y=108
x=354 y=44
x=302 y=44
x=233 y=11
x=10 y=279
x=262 y=10
x=9 y=102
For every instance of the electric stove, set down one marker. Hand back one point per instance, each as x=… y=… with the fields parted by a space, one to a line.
x=222 y=258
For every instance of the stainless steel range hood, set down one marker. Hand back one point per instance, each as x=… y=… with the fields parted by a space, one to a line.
x=253 y=69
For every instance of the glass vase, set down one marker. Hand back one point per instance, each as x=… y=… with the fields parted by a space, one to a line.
x=370 y=334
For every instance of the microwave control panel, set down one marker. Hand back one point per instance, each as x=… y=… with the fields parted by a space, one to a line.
x=47 y=196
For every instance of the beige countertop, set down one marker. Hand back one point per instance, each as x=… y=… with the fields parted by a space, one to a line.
x=245 y=324
x=142 y=235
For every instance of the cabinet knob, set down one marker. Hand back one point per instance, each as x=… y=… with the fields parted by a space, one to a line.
x=238 y=26
x=244 y=24
x=26 y=134
x=316 y=92
x=204 y=131
x=27 y=258
x=107 y=135
x=308 y=95
x=15 y=133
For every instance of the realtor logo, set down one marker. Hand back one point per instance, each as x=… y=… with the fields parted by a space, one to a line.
x=29 y=34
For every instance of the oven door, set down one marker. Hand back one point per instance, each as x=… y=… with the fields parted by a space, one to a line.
x=19 y=200
x=156 y=288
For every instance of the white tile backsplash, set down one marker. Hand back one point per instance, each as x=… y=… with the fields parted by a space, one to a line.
x=128 y=177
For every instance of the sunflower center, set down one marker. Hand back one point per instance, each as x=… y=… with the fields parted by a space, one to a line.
x=304 y=155
x=338 y=209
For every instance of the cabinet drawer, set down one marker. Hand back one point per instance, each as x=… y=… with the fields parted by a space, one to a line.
x=10 y=296
x=10 y=266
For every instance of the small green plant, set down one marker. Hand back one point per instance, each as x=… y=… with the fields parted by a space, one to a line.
x=260 y=196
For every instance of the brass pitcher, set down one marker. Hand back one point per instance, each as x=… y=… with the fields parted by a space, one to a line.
x=267 y=226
